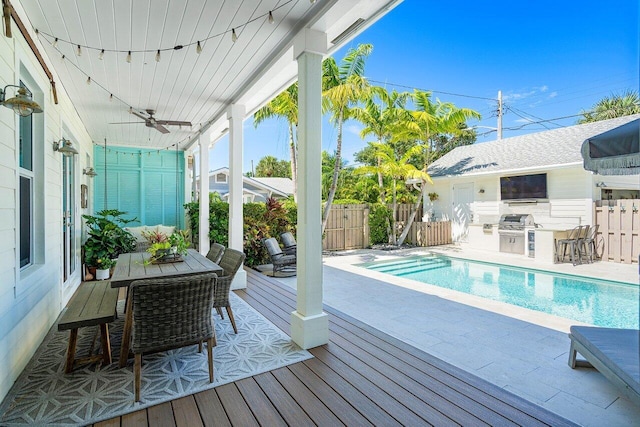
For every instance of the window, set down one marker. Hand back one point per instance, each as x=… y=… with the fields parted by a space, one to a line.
x=26 y=186
x=221 y=177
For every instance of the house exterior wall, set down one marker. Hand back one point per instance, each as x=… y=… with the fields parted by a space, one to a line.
x=31 y=299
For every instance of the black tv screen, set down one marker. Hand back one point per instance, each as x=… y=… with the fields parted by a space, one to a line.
x=523 y=187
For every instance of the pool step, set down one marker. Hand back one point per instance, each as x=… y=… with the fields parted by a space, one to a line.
x=406 y=267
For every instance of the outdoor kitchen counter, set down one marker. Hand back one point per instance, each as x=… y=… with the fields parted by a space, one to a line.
x=546 y=243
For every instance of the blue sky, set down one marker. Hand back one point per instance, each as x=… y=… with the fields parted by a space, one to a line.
x=550 y=59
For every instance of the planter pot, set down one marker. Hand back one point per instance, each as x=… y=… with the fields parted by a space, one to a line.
x=102 y=274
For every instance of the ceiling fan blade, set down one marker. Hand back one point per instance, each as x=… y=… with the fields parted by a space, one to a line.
x=135 y=113
x=173 y=123
x=161 y=128
x=125 y=123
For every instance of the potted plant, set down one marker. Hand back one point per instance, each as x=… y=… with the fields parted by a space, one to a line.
x=103 y=268
x=162 y=247
x=106 y=236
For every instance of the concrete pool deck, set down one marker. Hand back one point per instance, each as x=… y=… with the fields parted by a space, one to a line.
x=520 y=350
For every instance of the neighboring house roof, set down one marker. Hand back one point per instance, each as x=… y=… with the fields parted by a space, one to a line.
x=283 y=185
x=556 y=147
x=280 y=186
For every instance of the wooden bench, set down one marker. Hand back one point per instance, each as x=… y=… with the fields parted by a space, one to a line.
x=94 y=303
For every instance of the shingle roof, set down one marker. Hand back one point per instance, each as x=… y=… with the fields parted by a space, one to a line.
x=541 y=149
x=283 y=185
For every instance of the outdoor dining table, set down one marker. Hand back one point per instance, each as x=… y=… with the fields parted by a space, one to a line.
x=132 y=266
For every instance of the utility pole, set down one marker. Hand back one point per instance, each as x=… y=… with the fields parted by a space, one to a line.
x=499 y=114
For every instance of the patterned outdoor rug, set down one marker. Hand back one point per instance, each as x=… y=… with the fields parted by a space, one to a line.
x=45 y=395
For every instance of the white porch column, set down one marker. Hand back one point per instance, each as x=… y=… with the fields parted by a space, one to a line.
x=203 y=229
x=309 y=324
x=235 y=115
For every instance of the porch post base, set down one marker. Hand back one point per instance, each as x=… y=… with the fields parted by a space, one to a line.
x=239 y=280
x=309 y=331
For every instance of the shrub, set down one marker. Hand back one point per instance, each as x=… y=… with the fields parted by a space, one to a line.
x=107 y=237
x=378 y=215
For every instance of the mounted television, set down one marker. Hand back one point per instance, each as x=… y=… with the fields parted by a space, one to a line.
x=523 y=187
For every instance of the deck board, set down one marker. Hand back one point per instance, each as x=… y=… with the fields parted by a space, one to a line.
x=362 y=377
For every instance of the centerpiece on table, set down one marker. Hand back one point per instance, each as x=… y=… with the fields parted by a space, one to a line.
x=165 y=248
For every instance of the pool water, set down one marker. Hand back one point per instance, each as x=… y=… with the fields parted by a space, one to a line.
x=597 y=302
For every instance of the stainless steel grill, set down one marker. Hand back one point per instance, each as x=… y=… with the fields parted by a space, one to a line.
x=512 y=232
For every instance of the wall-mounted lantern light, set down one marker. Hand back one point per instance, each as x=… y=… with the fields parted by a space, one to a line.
x=65 y=147
x=21 y=104
x=90 y=172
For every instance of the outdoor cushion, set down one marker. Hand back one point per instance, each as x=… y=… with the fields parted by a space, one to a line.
x=137 y=232
x=166 y=230
x=614 y=352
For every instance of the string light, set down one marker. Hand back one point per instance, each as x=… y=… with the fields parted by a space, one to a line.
x=110 y=97
x=55 y=43
x=198 y=48
x=158 y=56
x=234 y=36
x=101 y=55
x=88 y=80
x=271 y=20
x=79 y=51
x=129 y=57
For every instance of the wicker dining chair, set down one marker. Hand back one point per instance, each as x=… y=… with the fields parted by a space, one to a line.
x=215 y=252
x=230 y=263
x=171 y=313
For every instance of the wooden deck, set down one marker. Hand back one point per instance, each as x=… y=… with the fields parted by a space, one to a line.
x=362 y=377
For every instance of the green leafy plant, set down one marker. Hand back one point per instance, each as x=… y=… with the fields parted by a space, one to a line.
x=104 y=263
x=379 y=214
x=106 y=236
x=180 y=240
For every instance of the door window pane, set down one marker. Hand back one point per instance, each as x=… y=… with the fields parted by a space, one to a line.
x=26 y=143
x=25 y=221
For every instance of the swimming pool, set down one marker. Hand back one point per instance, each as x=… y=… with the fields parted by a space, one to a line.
x=597 y=302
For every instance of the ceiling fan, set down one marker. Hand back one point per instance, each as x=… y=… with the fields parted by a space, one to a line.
x=152 y=122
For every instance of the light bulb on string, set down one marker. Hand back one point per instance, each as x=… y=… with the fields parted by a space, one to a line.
x=158 y=56
x=110 y=97
x=101 y=55
x=79 y=51
x=89 y=80
x=129 y=57
x=234 y=36
x=271 y=20
x=55 y=43
x=198 y=48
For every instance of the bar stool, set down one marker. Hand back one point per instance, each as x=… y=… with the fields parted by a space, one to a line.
x=571 y=243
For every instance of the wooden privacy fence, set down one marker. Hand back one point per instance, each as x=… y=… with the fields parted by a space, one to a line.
x=619 y=226
x=348 y=228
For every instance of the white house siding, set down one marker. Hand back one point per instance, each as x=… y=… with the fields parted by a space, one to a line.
x=31 y=300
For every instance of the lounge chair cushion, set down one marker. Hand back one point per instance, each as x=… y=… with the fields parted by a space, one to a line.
x=617 y=349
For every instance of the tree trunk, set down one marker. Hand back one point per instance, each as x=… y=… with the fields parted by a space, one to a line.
x=412 y=217
x=395 y=214
x=294 y=162
x=336 y=173
x=383 y=200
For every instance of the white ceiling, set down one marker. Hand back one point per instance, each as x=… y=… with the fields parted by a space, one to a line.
x=183 y=85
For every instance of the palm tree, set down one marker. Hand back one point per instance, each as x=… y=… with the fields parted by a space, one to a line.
x=285 y=106
x=430 y=121
x=610 y=107
x=399 y=169
x=379 y=120
x=343 y=86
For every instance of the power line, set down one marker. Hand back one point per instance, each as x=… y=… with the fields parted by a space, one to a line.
x=433 y=91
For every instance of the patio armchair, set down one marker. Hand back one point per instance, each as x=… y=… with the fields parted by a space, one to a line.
x=289 y=243
x=279 y=260
x=215 y=252
x=171 y=313
x=230 y=262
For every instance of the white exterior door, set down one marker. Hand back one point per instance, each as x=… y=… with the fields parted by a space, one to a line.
x=461 y=210
x=70 y=261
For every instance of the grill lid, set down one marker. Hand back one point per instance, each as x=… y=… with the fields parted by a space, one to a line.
x=515 y=221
